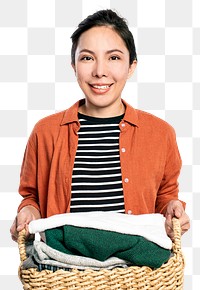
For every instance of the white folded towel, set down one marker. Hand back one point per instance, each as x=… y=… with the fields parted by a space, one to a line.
x=150 y=226
x=44 y=254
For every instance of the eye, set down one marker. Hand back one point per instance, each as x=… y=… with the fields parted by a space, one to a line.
x=114 y=57
x=86 y=58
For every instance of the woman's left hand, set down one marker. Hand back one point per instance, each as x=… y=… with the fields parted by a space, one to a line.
x=175 y=209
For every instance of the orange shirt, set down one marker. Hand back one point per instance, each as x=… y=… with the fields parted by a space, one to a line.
x=150 y=162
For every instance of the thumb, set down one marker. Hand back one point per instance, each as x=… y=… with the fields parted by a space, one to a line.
x=21 y=223
x=20 y=227
x=178 y=212
x=169 y=213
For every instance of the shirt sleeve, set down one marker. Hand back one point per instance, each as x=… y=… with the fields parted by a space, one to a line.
x=169 y=187
x=28 y=176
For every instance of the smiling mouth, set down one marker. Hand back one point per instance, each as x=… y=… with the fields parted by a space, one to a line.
x=100 y=87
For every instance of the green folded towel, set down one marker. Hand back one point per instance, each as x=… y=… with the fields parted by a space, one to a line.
x=102 y=244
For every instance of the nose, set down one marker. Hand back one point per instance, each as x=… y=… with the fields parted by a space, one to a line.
x=100 y=69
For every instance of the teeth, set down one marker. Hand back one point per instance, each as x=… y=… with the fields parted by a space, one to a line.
x=101 y=87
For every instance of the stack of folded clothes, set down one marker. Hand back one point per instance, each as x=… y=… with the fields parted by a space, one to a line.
x=98 y=240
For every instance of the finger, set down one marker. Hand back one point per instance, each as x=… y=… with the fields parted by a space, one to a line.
x=170 y=233
x=27 y=230
x=13 y=231
x=22 y=221
x=178 y=212
x=14 y=238
x=185 y=228
x=13 y=227
x=169 y=211
x=21 y=227
x=169 y=221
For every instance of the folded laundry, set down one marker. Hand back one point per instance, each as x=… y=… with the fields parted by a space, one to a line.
x=102 y=244
x=73 y=238
x=149 y=226
x=42 y=256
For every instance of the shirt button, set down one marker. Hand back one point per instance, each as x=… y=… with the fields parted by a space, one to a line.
x=126 y=180
x=123 y=150
x=129 y=211
x=123 y=125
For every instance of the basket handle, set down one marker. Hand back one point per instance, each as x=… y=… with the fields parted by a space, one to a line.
x=177 y=235
x=21 y=245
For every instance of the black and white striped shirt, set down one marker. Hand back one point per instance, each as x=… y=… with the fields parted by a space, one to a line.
x=96 y=177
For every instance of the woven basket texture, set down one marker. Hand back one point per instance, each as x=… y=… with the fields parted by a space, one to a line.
x=168 y=277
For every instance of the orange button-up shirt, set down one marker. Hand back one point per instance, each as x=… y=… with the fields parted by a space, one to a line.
x=149 y=156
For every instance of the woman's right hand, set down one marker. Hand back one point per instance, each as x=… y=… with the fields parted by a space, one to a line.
x=23 y=218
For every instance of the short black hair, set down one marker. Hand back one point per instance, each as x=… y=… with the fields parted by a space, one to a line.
x=110 y=18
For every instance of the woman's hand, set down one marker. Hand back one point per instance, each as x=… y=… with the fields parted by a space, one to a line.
x=23 y=218
x=175 y=209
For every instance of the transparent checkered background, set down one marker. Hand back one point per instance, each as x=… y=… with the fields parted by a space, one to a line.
x=36 y=80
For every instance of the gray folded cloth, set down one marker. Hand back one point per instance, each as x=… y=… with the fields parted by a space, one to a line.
x=40 y=253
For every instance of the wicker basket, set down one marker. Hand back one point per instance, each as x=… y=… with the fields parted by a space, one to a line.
x=168 y=277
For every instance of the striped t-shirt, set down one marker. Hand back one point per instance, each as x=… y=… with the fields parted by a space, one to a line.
x=96 y=177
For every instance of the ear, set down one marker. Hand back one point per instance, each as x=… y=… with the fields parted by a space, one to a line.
x=132 y=68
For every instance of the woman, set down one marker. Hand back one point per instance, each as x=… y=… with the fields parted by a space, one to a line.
x=101 y=154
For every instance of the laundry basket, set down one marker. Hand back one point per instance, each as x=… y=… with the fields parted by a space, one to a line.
x=168 y=277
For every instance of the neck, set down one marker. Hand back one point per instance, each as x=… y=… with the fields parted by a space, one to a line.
x=102 y=112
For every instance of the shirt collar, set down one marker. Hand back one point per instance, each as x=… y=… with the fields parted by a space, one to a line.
x=131 y=114
x=71 y=114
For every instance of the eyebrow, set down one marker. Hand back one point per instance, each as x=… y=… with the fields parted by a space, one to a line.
x=107 y=52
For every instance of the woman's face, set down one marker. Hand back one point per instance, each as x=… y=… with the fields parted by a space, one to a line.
x=102 y=69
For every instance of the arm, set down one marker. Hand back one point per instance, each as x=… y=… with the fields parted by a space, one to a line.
x=28 y=187
x=29 y=208
x=167 y=201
